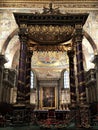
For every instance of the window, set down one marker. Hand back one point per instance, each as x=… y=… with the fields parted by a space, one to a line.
x=66 y=79
x=32 y=80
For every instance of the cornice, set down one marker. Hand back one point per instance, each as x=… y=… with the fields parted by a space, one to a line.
x=57 y=3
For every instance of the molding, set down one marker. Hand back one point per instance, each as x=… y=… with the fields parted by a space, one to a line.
x=40 y=3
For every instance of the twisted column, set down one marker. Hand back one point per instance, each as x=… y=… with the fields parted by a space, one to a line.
x=2 y=62
x=83 y=111
x=80 y=68
x=72 y=78
x=22 y=65
x=28 y=77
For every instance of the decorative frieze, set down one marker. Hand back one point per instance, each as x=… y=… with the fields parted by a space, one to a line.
x=41 y=3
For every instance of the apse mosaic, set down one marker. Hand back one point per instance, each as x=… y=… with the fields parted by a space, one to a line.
x=50 y=59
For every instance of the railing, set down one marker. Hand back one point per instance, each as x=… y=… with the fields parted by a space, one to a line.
x=69 y=121
x=55 y=122
x=9 y=77
x=94 y=120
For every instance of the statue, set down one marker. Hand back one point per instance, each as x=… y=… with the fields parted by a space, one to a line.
x=50 y=10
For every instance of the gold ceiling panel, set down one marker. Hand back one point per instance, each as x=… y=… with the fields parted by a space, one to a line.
x=50 y=34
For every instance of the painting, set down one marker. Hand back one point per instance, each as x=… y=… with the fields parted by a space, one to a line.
x=48 y=97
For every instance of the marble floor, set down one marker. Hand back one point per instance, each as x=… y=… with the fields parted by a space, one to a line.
x=32 y=127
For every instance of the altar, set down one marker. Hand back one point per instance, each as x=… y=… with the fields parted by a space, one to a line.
x=51 y=113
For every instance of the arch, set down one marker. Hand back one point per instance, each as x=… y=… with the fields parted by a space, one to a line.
x=34 y=77
x=84 y=61
x=63 y=71
x=11 y=35
x=13 y=53
x=92 y=43
x=66 y=79
x=62 y=78
x=15 y=56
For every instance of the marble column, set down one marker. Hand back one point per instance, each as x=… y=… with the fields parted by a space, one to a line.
x=2 y=62
x=5 y=83
x=72 y=78
x=95 y=61
x=4 y=94
x=38 y=95
x=28 y=76
x=59 y=94
x=8 y=95
x=22 y=65
x=80 y=68
x=83 y=112
x=11 y=95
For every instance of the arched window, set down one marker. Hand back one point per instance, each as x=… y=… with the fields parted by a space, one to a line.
x=66 y=79
x=32 y=80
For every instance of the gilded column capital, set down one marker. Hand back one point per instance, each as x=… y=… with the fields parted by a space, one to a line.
x=78 y=34
x=23 y=33
x=30 y=53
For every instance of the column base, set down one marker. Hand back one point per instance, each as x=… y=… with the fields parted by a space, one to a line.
x=21 y=114
x=94 y=113
x=82 y=119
